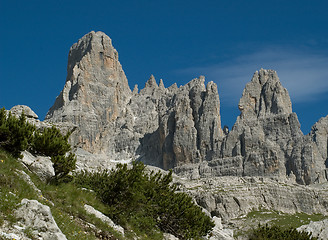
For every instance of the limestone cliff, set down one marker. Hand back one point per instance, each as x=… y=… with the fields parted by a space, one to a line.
x=162 y=126
x=180 y=128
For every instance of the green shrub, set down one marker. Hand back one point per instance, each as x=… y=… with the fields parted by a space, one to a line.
x=147 y=201
x=275 y=232
x=50 y=142
x=63 y=165
x=15 y=133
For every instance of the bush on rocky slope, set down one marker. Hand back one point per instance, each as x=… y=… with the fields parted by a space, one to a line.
x=147 y=201
x=17 y=135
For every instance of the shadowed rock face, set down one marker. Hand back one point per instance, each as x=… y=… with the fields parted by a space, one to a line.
x=180 y=128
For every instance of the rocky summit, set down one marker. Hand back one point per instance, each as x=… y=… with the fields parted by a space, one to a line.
x=180 y=127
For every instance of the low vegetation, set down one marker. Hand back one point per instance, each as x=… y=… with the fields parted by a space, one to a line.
x=276 y=232
x=148 y=202
x=17 y=135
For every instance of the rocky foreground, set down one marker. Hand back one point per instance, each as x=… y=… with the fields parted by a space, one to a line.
x=264 y=164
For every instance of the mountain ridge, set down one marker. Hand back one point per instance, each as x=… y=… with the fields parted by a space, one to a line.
x=180 y=127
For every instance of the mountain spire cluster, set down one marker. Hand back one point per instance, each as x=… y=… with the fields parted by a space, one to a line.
x=180 y=127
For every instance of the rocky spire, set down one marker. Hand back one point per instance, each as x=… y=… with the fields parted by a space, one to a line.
x=264 y=95
x=267 y=138
x=150 y=86
x=95 y=91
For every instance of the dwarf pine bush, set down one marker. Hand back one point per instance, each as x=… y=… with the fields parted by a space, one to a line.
x=17 y=135
x=275 y=232
x=147 y=201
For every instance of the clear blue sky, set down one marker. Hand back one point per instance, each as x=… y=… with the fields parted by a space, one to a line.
x=227 y=41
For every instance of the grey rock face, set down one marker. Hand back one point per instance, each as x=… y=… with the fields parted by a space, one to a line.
x=162 y=126
x=19 y=109
x=267 y=134
x=319 y=135
x=41 y=166
x=317 y=229
x=37 y=216
x=168 y=127
x=180 y=127
x=95 y=91
x=232 y=197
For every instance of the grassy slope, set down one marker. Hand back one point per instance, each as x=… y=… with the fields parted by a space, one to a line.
x=68 y=202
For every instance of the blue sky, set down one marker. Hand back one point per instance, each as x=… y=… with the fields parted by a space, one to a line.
x=226 y=41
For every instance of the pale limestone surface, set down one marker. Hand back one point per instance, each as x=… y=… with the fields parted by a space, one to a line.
x=40 y=165
x=90 y=210
x=317 y=229
x=37 y=216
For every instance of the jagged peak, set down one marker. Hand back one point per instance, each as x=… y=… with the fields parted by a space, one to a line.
x=161 y=84
x=264 y=95
x=173 y=88
x=198 y=83
x=151 y=83
x=211 y=87
x=135 y=89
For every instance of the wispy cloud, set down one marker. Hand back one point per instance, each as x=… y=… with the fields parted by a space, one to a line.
x=305 y=75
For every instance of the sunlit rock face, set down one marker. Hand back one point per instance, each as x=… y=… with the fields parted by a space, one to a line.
x=95 y=92
x=267 y=137
x=162 y=126
x=180 y=127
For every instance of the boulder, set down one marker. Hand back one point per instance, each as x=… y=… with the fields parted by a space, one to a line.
x=90 y=210
x=19 y=109
x=317 y=229
x=41 y=166
x=38 y=217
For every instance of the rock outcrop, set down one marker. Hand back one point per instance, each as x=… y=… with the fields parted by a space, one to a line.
x=90 y=210
x=180 y=127
x=39 y=165
x=20 y=109
x=38 y=217
x=317 y=229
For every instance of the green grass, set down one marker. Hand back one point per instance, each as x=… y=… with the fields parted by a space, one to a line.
x=283 y=220
x=12 y=188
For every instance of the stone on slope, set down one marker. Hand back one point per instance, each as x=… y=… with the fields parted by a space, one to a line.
x=38 y=217
x=41 y=166
x=318 y=229
x=90 y=210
